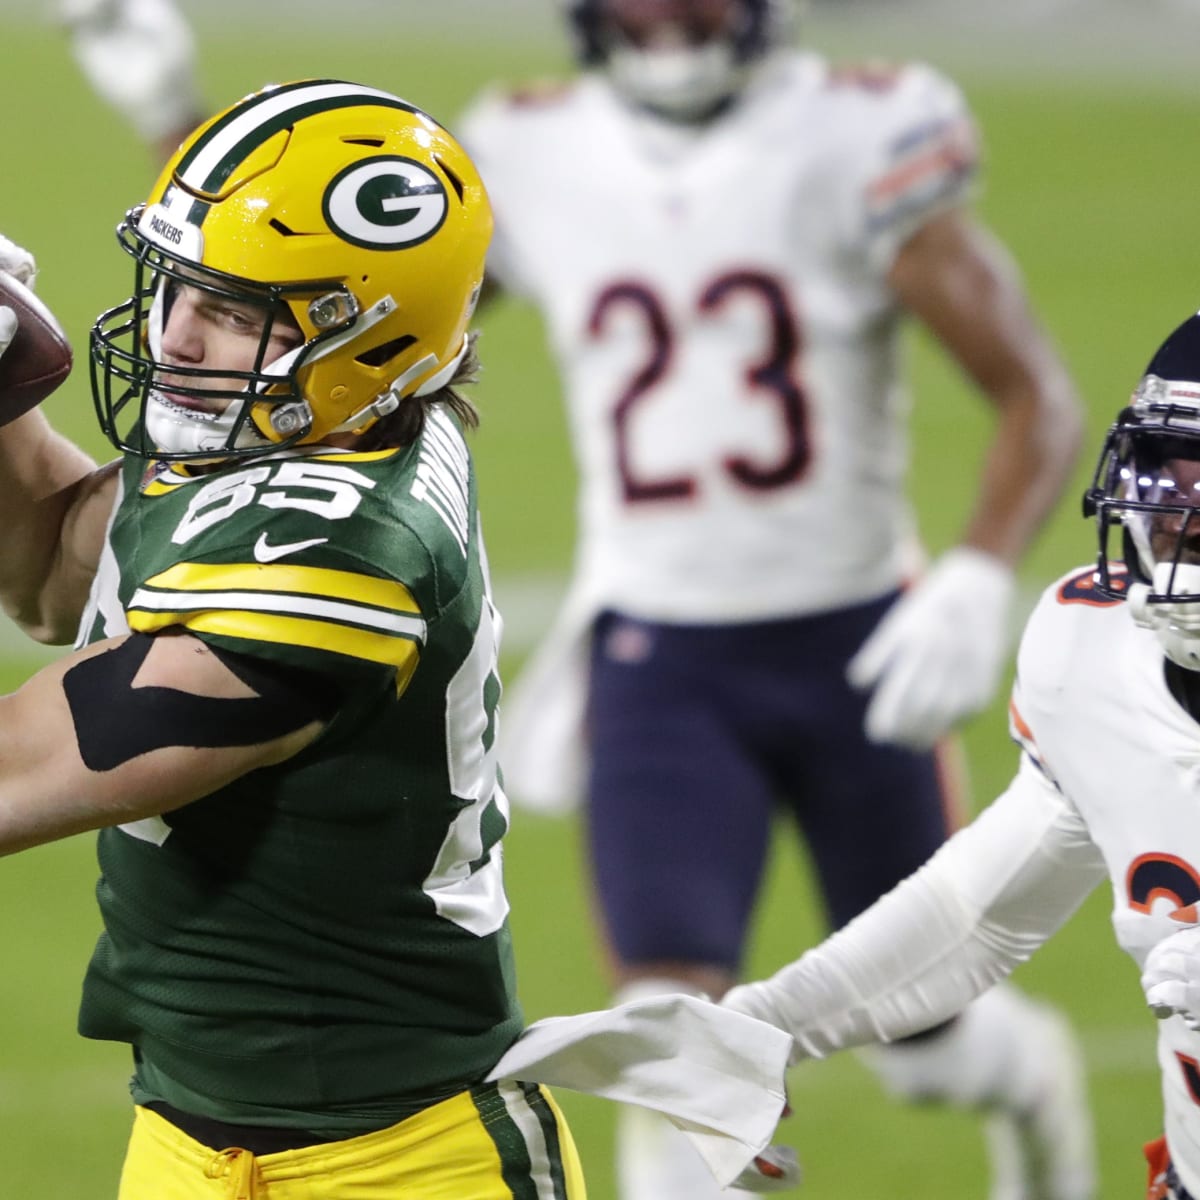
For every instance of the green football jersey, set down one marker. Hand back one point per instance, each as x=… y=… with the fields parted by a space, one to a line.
x=324 y=943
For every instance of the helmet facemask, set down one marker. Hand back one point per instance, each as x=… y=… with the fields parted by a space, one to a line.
x=1146 y=499
x=173 y=410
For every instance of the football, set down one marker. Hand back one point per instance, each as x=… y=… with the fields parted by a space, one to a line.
x=39 y=357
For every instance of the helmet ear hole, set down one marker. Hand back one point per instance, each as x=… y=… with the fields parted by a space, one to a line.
x=455 y=182
x=379 y=356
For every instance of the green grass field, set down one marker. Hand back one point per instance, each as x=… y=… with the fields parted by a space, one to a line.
x=1092 y=182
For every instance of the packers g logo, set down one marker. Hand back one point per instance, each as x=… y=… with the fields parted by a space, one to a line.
x=385 y=203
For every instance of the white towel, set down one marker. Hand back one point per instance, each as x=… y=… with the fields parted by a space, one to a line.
x=717 y=1074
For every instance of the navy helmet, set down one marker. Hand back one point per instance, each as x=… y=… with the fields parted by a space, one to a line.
x=1145 y=496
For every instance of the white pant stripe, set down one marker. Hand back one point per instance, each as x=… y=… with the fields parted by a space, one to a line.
x=526 y=1120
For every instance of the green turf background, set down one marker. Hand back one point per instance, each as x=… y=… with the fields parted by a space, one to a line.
x=1092 y=180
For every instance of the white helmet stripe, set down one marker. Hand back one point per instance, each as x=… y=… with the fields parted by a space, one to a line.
x=218 y=152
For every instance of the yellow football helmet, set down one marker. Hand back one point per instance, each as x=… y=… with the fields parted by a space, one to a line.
x=337 y=207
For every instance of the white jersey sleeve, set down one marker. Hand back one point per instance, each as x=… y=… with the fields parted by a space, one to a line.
x=917 y=156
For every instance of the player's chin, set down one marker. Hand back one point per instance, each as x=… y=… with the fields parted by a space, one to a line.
x=181 y=407
x=175 y=429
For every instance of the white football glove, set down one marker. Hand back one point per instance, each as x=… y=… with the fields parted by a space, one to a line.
x=1171 y=977
x=140 y=57
x=17 y=261
x=937 y=655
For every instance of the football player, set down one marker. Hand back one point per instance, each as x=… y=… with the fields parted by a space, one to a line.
x=1105 y=710
x=725 y=236
x=281 y=710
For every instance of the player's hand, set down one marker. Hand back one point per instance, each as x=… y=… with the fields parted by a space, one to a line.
x=1171 y=976
x=937 y=655
x=8 y=327
x=776 y=1169
x=139 y=56
x=18 y=262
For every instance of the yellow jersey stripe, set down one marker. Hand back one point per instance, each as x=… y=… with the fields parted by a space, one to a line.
x=162 y=486
x=287 y=577
x=399 y=652
x=344 y=456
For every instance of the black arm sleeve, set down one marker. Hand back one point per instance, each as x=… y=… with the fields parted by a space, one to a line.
x=115 y=721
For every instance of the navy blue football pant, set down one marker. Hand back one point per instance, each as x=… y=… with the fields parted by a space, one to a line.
x=699 y=735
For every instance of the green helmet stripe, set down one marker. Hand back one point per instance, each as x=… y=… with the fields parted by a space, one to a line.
x=198 y=212
x=231 y=115
x=218 y=152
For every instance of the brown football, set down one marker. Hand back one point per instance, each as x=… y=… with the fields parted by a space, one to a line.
x=39 y=358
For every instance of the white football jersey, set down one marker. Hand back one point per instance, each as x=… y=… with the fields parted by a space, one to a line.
x=1091 y=707
x=718 y=305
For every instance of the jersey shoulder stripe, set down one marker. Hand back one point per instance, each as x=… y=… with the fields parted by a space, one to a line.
x=288 y=578
x=307 y=607
x=399 y=653
x=1019 y=731
x=926 y=161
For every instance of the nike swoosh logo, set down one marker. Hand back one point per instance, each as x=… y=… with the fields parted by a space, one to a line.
x=264 y=552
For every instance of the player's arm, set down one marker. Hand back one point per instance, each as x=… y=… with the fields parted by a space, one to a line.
x=956 y=278
x=55 y=500
x=139 y=57
x=981 y=906
x=937 y=656
x=56 y=504
x=135 y=727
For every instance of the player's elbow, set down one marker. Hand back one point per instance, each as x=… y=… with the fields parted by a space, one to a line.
x=42 y=608
x=49 y=627
x=1042 y=416
x=1059 y=419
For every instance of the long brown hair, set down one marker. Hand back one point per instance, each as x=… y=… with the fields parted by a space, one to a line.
x=404 y=426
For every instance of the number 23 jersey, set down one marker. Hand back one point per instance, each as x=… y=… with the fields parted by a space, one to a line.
x=717 y=301
x=327 y=937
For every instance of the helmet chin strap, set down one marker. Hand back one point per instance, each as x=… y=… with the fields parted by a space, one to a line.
x=390 y=400
x=1176 y=625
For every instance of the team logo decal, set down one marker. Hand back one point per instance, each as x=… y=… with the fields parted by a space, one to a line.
x=385 y=203
x=1152 y=877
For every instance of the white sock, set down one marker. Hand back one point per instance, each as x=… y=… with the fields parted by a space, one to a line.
x=654 y=1160
x=1018 y=1060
